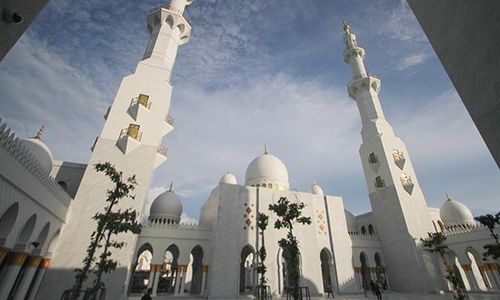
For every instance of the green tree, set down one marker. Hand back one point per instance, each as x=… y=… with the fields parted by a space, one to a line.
x=492 y=250
x=436 y=243
x=289 y=214
x=110 y=222
x=262 y=222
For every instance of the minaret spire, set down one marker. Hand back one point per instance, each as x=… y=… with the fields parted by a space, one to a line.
x=398 y=204
x=40 y=132
x=364 y=88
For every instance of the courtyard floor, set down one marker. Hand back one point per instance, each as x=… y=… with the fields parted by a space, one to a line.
x=385 y=296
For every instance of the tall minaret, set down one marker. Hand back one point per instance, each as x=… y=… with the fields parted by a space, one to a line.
x=131 y=140
x=399 y=209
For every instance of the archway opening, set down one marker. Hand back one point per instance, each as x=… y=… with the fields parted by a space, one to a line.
x=139 y=280
x=26 y=232
x=285 y=264
x=326 y=269
x=247 y=270
x=380 y=271
x=7 y=221
x=365 y=271
x=169 y=272
x=196 y=265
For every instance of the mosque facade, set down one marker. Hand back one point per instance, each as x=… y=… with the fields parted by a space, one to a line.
x=46 y=206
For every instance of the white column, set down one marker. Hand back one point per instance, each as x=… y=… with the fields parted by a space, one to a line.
x=204 y=280
x=183 y=279
x=178 y=274
x=31 y=268
x=493 y=275
x=10 y=273
x=38 y=280
x=471 y=279
x=156 y=277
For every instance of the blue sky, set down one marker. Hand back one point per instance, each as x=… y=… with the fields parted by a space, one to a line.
x=254 y=72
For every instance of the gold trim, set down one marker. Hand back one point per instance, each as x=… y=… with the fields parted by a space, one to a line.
x=45 y=263
x=205 y=268
x=34 y=262
x=17 y=259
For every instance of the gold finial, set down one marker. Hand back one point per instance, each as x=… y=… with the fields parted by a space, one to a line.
x=171 y=186
x=265 y=149
x=40 y=132
x=347 y=28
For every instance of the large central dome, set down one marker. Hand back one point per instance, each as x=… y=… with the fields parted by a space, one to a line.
x=267 y=171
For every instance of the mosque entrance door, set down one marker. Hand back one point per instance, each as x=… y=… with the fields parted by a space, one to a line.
x=247 y=271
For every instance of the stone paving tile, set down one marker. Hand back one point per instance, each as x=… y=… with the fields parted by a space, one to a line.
x=385 y=296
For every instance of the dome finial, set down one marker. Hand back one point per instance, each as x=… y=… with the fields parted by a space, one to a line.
x=347 y=28
x=448 y=197
x=40 y=132
x=171 y=186
x=265 y=149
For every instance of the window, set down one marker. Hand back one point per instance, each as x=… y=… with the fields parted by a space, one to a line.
x=143 y=100
x=379 y=182
x=63 y=185
x=371 y=230
x=372 y=158
x=363 y=230
x=133 y=131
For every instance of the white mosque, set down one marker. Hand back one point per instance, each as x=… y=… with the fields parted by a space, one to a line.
x=46 y=206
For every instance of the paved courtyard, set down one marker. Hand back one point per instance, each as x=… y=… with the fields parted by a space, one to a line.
x=385 y=296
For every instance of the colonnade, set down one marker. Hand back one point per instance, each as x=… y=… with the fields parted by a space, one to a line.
x=21 y=274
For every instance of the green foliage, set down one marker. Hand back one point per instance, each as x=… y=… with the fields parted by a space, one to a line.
x=436 y=243
x=493 y=249
x=262 y=222
x=289 y=214
x=109 y=223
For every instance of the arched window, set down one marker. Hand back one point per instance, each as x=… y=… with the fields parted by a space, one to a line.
x=363 y=230
x=264 y=185
x=63 y=185
x=247 y=270
x=371 y=230
x=270 y=185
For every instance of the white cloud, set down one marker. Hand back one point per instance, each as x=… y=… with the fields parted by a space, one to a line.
x=185 y=219
x=414 y=59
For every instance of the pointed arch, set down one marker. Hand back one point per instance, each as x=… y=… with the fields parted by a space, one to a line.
x=139 y=280
x=365 y=270
x=7 y=221
x=53 y=243
x=26 y=232
x=327 y=269
x=42 y=237
x=478 y=275
x=196 y=269
x=170 y=21
x=181 y=27
x=247 y=270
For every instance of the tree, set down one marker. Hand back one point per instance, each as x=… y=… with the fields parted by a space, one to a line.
x=262 y=222
x=492 y=250
x=435 y=243
x=110 y=222
x=289 y=214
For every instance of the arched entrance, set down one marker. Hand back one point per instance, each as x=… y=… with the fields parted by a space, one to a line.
x=196 y=270
x=139 y=280
x=380 y=271
x=247 y=270
x=365 y=271
x=284 y=265
x=168 y=273
x=479 y=276
x=327 y=270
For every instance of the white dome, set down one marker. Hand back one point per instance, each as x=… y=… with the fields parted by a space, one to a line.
x=228 y=178
x=166 y=206
x=317 y=190
x=267 y=169
x=40 y=151
x=455 y=213
x=352 y=224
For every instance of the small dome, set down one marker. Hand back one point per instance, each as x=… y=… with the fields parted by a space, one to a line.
x=228 y=178
x=40 y=152
x=317 y=190
x=352 y=224
x=267 y=170
x=166 y=207
x=453 y=212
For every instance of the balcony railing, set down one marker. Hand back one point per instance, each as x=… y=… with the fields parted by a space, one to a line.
x=142 y=100
x=132 y=132
x=361 y=76
x=160 y=149
x=169 y=120
x=173 y=9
